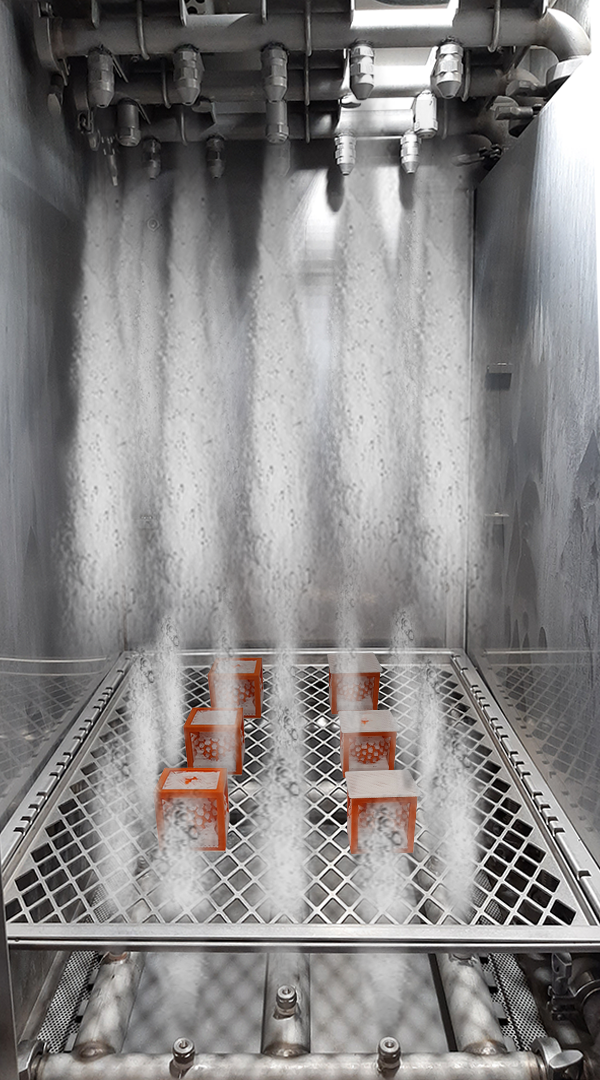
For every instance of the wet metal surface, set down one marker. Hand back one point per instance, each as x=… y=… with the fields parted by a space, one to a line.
x=535 y=446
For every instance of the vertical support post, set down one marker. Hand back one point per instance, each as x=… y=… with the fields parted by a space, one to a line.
x=9 y=1069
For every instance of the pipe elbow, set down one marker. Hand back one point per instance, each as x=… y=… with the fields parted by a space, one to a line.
x=563 y=35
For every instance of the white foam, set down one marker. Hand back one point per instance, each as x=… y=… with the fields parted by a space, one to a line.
x=191 y=780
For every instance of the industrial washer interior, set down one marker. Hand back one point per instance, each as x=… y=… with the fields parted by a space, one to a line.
x=300 y=361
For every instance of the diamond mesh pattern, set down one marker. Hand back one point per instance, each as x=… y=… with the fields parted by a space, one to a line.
x=34 y=703
x=553 y=704
x=96 y=857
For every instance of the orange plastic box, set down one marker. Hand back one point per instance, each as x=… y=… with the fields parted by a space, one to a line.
x=353 y=681
x=192 y=806
x=214 y=739
x=367 y=740
x=237 y=681
x=382 y=807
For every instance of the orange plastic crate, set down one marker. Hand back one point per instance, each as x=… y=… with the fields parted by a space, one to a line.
x=192 y=806
x=214 y=739
x=353 y=681
x=237 y=682
x=382 y=808
x=367 y=740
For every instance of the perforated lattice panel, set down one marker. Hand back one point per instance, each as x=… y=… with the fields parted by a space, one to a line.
x=515 y=1004
x=68 y=1003
x=95 y=857
x=35 y=702
x=553 y=702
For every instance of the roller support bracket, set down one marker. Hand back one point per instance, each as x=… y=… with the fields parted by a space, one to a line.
x=29 y=1054
x=560 y=1064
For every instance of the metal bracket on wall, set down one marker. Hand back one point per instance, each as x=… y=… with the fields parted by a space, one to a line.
x=498 y=376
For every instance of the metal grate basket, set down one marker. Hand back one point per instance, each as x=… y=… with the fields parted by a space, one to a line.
x=93 y=856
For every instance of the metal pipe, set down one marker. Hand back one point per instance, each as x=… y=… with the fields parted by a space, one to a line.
x=392 y=28
x=407 y=80
x=370 y=122
x=232 y=87
x=515 y=1066
x=9 y=1069
x=197 y=127
x=563 y=35
x=107 y=1013
x=286 y=1011
x=474 y=1021
x=246 y=86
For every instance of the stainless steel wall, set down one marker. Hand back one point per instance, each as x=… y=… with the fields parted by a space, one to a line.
x=40 y=215
x=242 y=406
x=534 y=607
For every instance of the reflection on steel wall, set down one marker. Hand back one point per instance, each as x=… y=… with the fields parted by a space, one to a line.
x=40 y=211
x=262 y=430
x=534 y=582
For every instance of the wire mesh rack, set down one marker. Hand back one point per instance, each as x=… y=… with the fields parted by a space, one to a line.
x=552 y=700
x=93 y=857
x=38 y=701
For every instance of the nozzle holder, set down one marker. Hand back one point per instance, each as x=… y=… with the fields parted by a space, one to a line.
x=184 y=1053
x=388 y=1055
x=274 y=60
x=188 y=70
x=409 y=152
x=151 y=158
x=215 y=156
x=286 y=1000
x=345 y=152
x=362 y=70
x=448 y=70
x=277 y=128
x=128 y=123
x=100 y=78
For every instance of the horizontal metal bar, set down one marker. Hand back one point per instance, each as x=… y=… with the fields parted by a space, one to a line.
x=302 y=657
x=516 y=1066
x=311 y=937
x=391 y=81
